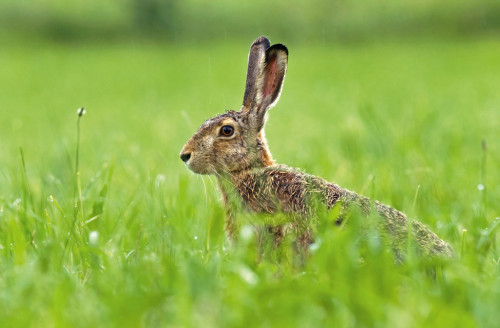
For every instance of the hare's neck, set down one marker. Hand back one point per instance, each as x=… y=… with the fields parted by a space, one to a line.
x=264 y=157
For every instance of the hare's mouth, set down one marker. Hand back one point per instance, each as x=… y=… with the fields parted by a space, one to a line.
x=197 y=170
x=194 y=165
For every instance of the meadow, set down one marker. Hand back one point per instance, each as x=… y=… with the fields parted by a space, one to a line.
x=136 y=240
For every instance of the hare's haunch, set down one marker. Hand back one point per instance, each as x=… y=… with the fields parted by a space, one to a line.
x=233 y=147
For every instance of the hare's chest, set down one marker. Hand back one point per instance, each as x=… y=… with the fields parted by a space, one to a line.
x=253 y=195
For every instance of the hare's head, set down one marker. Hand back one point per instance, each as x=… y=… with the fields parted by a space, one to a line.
x=235 y=141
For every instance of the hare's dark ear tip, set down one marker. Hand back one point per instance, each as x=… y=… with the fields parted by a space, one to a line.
x=279 y=47
x=261 y=40
x=275 y=49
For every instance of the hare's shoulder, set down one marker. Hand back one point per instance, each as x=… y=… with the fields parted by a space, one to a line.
x=281 y=177
x=293 y=187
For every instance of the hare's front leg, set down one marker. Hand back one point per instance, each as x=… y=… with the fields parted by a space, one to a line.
x=231 y=227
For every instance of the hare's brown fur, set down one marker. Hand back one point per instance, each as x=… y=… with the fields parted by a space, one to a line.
x=233 y=147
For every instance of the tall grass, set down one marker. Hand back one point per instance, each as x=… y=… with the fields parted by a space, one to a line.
x=147 y=246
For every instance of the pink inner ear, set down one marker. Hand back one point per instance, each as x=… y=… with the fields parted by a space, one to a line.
x=271 y=78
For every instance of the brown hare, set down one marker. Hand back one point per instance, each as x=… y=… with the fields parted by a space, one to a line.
x=233 y=147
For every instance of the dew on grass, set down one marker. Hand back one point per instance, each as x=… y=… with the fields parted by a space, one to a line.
x=315 y=246
x=94 y=238
x=160 y=178
x=248 y=275
x=246 y=232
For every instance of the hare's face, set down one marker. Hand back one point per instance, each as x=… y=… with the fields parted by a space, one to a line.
x=235 y=141
x=220 y=145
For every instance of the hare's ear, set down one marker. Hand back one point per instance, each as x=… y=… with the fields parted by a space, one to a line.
x=255 y=61
x=268 y=84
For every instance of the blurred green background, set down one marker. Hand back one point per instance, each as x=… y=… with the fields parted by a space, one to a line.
x=189 y=20
x=194 y=20
x=393 y=99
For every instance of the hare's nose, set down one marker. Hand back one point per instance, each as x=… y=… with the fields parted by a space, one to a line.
x=185 y=157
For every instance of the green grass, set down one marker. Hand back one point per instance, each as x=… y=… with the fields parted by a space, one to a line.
x=146 y=245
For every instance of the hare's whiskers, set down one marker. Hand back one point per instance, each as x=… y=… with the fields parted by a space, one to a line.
x=223 y=177
x=205 y=189
x=211 y=181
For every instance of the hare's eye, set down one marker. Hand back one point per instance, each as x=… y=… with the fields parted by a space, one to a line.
x=226 y=131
